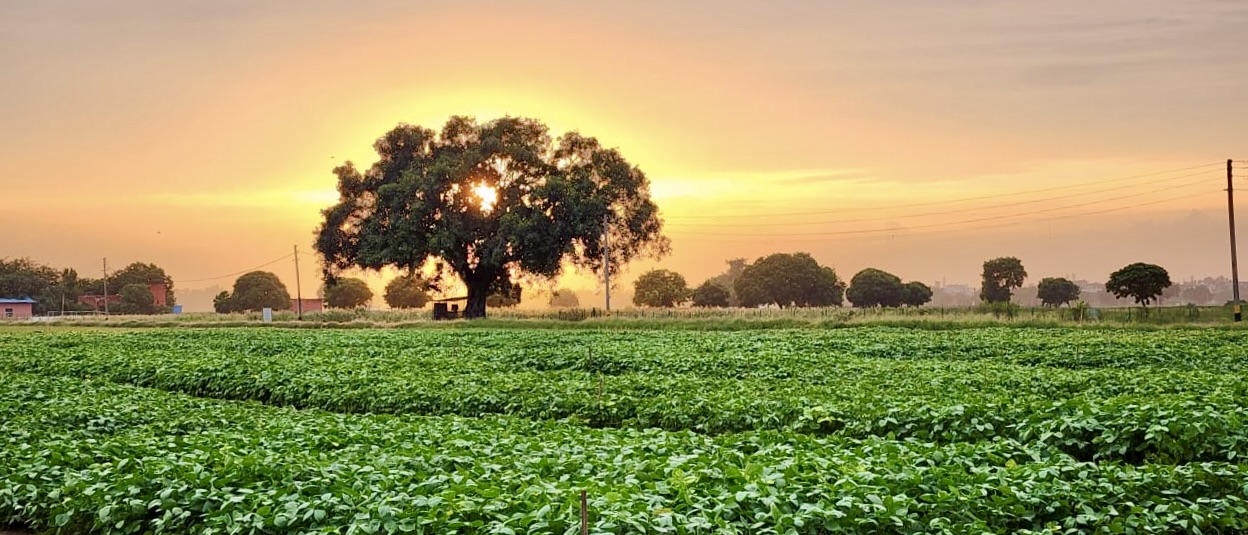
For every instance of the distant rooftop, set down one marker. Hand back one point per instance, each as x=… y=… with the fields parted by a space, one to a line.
x=10 y=300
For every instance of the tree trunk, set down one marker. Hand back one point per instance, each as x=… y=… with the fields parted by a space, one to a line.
x=475 y=308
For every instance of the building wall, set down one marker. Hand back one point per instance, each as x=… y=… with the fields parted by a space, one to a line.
x=10 y=311
x=160 y=293
x=309 y=305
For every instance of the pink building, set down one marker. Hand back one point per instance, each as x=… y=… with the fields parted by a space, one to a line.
x=16 y=308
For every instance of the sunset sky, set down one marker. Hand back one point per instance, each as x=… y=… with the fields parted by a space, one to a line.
x=916 y=137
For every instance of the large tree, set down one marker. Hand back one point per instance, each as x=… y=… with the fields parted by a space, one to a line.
x=52 y=290
x=787 y=280
x=407 y=291
x=999 y=279
x=1057 y=291
x=141 y=273
x=711 y=294
x=347 y=292
x=660 y=288
x=873 y=287
x=23 y=277
x=1139 y=281
x=254 y=291
x=489 y=202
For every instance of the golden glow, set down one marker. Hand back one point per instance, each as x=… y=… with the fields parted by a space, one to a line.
x=212 y=170
x=487 y=195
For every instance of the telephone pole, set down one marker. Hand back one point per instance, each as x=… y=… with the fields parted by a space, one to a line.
x=1230 y=207
x=606 y=258
x=298 y=286
x=106 y=287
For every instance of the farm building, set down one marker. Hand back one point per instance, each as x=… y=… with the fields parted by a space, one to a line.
x=160 y=297
x=16 y=308
x=309 y=305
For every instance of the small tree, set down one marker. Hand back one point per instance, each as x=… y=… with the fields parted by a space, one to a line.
x=222 y=303
x=999 y=279
x=728 y=279
x=1142 y=282
x=915 y=294
x=1057 y=291
x=407 y=291
x=1198 y=294
x=135 y=299
x=711 y=295
x=348 y=293
x=788 y=280
x=564 y=298
x=872 y=287
x=660 y=288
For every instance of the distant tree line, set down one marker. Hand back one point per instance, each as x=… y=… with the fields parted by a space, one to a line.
x=55 y=290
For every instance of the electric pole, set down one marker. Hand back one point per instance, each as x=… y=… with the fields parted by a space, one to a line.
x=106 y=287
x=1230 y=207
x=606 y=258
x=298 y=286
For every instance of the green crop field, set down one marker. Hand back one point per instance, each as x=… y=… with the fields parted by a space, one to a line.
x=853 y=430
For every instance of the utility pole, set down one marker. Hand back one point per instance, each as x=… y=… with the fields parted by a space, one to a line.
x=606 y=258
x=106 y=287
x=298 y=286
x=1230 y=207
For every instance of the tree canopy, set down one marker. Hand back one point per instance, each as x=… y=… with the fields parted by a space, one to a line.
x=874 y=288
x=347 y=293
x=999 y=279
x=135 y=299
x=711 y=294
x=915 y=294
x=141 y=273
x=254 y=291
x=728 y=279
x=788 y=280
x=660 y=288
x=51 y=289
x=564 y=298
x=489 y=202
x=406 y=291
x=1057 y=291
x=1139 y=281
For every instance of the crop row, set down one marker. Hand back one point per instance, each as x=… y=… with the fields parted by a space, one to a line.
x=1137 y=415
x=102 y=458
x=798 y=354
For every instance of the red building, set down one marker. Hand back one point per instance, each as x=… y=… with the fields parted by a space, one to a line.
x=309 y=305
x=160 y=297
x=16 y=308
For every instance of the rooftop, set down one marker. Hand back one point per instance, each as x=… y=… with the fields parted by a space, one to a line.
x=11 y=300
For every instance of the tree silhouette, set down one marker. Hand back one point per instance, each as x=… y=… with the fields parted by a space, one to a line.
x=487 y=203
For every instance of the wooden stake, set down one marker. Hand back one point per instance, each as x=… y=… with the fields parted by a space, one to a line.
x=584 y=513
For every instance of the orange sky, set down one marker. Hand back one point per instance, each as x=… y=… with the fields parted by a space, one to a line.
x=200 y=135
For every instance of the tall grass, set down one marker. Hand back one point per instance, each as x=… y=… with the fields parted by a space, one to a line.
x=685 y=318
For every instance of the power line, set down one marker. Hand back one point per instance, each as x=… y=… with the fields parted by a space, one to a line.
x=266 y=264
x=906 y=231
x=933 y=225
x=941 y=212
x=951 y=201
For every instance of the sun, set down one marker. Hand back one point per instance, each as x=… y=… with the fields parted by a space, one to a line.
x=488 y=196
